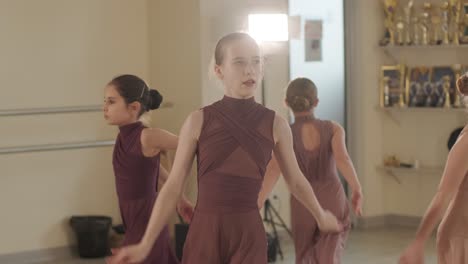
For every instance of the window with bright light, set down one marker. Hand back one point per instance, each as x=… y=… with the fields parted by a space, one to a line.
x=268 y=27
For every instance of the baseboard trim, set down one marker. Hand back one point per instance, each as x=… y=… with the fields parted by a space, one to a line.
x=402 y=220
x=394 y=220
x=40 y=256
x=371 y=222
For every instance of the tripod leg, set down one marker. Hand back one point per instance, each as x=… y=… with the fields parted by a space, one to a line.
x=266 y=207
x=275 y=234
x=283 y=224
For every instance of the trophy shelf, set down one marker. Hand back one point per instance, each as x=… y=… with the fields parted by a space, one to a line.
x=394 y=113
x=397 y=109
x=424 y=47
x=395 y=52
x=395 y=172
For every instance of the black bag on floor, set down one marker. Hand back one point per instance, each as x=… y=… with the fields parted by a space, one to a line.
x=180 y=231
x=92 y=233
x=119 y=229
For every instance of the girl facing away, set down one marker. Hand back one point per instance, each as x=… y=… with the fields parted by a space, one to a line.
x=320 y=149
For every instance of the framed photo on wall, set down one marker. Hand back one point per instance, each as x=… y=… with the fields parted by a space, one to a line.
x=418 y=86
x=392 y=85
x=443 y=77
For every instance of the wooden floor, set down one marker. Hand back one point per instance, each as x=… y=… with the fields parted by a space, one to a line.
x=380 y=246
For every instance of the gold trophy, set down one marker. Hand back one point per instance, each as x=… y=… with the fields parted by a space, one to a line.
x=455 y=7
x=446 y=87
x=445 y=23
x=464 y=30
x=426 y=22
x=416 y=31
x=400 y=31
x=408 y=10
x=457 y=99
x=457 y=68
x=436 y=30
x=385 y=100
x=401 y=99
x=390 y=10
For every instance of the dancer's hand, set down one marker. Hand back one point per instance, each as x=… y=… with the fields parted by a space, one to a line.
x=131 y=254
x=356 y=201
x=413 y=254
x=185 y=209
x=327 y=222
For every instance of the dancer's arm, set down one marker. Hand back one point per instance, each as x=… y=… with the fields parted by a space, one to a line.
x=169 y=195
x=271 y=177
x=297 y=183
x=455 y=170
x=163 y=175
x=346 y=167
x=155 y=139
x=185 y=207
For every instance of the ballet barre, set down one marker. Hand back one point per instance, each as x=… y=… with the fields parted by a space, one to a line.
x=60 y=110
x=50 y=110
x=59 y=146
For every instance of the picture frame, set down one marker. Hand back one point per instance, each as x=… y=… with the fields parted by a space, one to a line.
x=392 y=86
x=418 y=85
x=439 y=96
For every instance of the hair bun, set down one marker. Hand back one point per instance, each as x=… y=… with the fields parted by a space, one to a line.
x=462 y=85
x=300 y=103
x=155 y=99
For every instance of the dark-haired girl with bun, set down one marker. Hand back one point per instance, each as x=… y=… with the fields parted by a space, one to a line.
x=136 y=160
